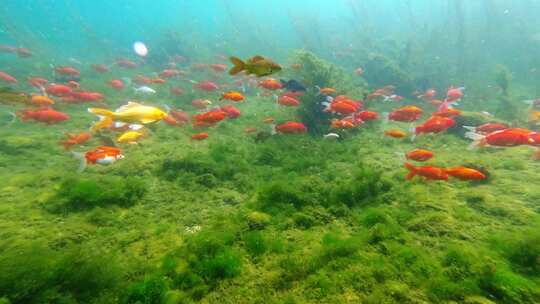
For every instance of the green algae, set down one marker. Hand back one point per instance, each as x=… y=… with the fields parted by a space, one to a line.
x=288 y=220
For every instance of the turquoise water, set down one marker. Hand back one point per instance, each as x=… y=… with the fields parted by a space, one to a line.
x=228 y=188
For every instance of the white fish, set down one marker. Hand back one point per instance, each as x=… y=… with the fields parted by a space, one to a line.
x=331 y=136
x=145 y=90
x=106 y=160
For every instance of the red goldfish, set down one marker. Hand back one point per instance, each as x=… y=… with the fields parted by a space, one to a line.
x=395 y=133
x=406 y=114
x=199 y=136
x=366 y=115
x=116 y=84
x=289 y=101
x=46 y=115
x=502 y=138
x=435 y=124
x=67 y=70
x=206 y=85
x=87 y=96
x=75 y=139
x=427 y=172
x=125 y=63
x=464 y=173
x=58 y=90
x=102 y=155
x=270 y=84
x=290 y=127
x=231 y=111
x=37 y=82
x=419 y=155
x=487 y=128
x=7 y=78
x=100 y=68
x=232 y=95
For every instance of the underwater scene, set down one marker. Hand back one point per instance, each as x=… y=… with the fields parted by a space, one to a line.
x=281 y=152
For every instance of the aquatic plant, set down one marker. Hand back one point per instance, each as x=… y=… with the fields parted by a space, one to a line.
x=255 y=243
x=384 y=71
x=522 y=252
x=77 y=193
x=503 y=78
x=202 y=262
x=34 y=273
x=149 y=291
x=365 y=187
x=317 y=72
x=279 y=196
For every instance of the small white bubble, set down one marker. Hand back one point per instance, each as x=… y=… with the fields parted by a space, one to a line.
x=140 y=49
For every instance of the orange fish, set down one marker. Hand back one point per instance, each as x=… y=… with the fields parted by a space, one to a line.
x=270 y=84
x=406 y=114
x=291 y=127
x=37 y=82
x=395 y=133
x=289 y=101
x=45 y=115
x=7 y=78
x=102 y=155
x=419 y=155
x=464 y=173
x=158 y=81
x=67 y=70
x=427 y=172
x=211 y=117
x=327 y=91
x=41 y=101
x=250 y=130
x=232 y=95
x=269 y=120
x=435 y=124
x=199 y=136
x=75 y=139
x=448 y=112
x=342 y=124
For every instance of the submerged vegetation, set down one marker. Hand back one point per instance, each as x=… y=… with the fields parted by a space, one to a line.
x=248 y=216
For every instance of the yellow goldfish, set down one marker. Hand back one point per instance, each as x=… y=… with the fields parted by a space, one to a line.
x=130 y=137
x=257 y=65
x=133 y=113
x=534 y=116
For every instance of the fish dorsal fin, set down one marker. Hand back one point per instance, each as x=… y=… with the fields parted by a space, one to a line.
x=129 y=105
x=257 y=58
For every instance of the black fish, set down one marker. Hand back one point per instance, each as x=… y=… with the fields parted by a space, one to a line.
x=292 y=85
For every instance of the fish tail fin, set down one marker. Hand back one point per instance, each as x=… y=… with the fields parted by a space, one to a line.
x=470 y=128
x=412 y=171
x=318 y=90
x=239 y=65
x=66 y=143
x=414 y=132
x=273 y=129
x=82 y=161
x=23 y=115
x=478 y=140
x=106 y=118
